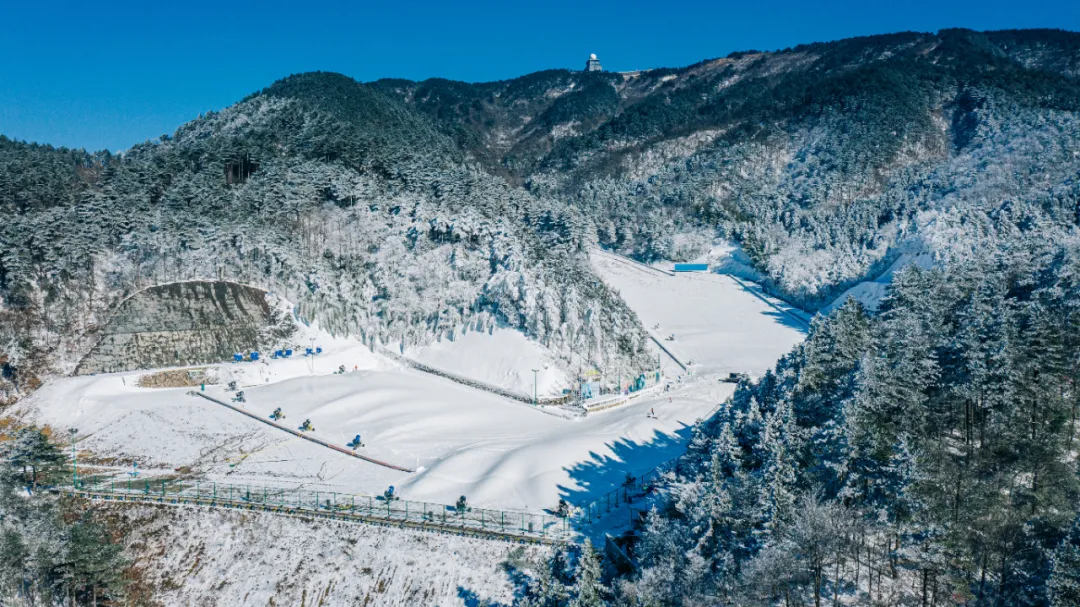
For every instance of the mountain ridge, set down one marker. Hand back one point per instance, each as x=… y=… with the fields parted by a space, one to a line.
x=823 y=161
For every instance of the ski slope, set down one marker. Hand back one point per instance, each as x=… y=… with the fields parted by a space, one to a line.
x=504 y=358
x=498 y=452
x=502 y=454
x=719 y=322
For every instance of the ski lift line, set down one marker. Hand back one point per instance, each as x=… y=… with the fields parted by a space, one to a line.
x=540 y=406
x=668 y=352
x=304 y=436
x=632 y=262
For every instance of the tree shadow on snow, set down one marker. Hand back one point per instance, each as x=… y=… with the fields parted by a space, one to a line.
x=603 y=473
x=785 y=314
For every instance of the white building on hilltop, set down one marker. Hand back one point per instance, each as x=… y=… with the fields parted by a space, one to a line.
x=593 y=64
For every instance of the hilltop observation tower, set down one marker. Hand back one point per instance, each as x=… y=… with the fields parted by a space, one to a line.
x=593 y=64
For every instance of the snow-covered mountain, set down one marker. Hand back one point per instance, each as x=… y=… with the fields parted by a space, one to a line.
x=402 y=211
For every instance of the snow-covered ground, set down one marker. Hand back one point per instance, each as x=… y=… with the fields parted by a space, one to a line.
x=717 y=322
x=461 y=441
x=503 y=358
x=498 y=452
x=870 y=292
x=218 y=557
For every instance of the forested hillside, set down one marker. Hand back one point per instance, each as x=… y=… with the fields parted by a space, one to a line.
x=923 y=456
x=922 y=453
x=823 y=160
x=319 y=188
x=398 y=210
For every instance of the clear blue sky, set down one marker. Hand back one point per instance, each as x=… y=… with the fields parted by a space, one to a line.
x=111 y=74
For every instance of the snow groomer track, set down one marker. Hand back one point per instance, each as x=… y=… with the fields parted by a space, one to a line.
x=304 y=435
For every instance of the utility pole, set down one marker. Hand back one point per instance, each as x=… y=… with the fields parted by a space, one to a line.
x=74 y=460
x=535 y=400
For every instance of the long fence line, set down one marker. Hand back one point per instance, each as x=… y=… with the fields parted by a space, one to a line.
x=479 y=385
x=632 y=262
x=668 y=352
x=302 y=434
x=497 y=524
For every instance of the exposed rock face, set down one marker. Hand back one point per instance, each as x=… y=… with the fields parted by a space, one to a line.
x=181 y=323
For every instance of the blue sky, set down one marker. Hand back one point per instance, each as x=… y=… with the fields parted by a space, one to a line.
x=112 y=74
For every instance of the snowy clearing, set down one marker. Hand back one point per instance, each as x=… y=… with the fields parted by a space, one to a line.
x=717 y=322
x=461 y=441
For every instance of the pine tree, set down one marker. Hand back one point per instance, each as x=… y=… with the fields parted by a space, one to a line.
x=94 y=564
x=589 y=591
x=1064 y=582
x=33 y=451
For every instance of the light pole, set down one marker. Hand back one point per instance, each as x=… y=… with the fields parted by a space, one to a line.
x=535 y=371
x=74 y=460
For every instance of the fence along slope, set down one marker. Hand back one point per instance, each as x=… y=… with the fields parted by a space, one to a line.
x=426 y=516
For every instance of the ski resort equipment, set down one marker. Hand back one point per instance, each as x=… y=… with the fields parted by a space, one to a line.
x=388 y=495
x=237 y=357
x=134 y=470
x=239 y=398
x=318 y=350
x=691 y=267
x=355 y=443
x=306 y=426
x=563 y=510
x=277 y=414
x=671 y=337
x=461 y=505
x=307 y=351
x=254 y=356
x=288 y=352
x=232 y=386
x=277 y=354
x=341 y=370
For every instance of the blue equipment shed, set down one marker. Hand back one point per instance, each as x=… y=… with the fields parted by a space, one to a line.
x=691 y=267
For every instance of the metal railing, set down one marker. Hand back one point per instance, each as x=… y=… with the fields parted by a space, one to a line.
x=637 y=488
x=505 y=524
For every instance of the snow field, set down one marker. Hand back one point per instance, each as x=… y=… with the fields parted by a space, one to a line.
x=503 y=358
x=501 y=454
x=717 y=323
